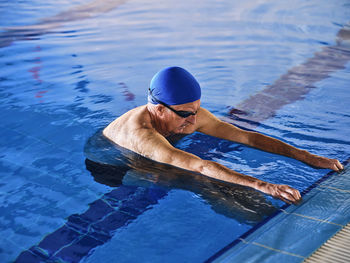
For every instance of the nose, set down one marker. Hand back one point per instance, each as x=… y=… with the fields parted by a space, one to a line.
x=191 y=119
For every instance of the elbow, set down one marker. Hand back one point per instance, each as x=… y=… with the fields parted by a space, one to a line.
x=202 y=167
x=210 y=168
x=196 y=165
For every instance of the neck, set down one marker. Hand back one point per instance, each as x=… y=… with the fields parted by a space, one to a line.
x=157 y=123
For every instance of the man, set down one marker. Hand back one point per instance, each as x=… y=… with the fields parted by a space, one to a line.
x=174 y=108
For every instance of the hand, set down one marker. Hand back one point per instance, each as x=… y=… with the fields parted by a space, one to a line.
x=323 y=162
x=283 y=192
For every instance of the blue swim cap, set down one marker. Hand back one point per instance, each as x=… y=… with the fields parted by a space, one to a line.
x=174 y=86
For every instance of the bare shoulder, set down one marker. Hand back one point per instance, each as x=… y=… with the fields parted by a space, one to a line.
x=121 y=129
x=205 y=119
x=134 y=131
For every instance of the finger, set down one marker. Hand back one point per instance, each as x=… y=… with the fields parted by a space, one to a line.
x=298 y=194
x=285 y=200
x=332 y=166
x=281 y=197
x=336 y=168
x=339 y=165
x=294 y=192
x=289 y=196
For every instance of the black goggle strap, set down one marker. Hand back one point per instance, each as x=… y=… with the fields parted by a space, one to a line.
x=183 y=114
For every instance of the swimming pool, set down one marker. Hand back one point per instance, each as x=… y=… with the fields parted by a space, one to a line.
x=69 y=67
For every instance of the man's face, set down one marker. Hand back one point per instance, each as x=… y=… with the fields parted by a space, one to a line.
x=177 y=124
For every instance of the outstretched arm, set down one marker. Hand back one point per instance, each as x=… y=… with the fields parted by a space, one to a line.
x=147 y=140
x=211 y=125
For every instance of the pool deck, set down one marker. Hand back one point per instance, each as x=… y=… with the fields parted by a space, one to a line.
x=296 y=231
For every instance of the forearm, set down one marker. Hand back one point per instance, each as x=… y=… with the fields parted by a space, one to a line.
x=262 y=142
x=209 y=168
x=273 y=145
x=222 y=173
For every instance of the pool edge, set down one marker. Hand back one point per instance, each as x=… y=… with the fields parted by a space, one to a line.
x=259 y=230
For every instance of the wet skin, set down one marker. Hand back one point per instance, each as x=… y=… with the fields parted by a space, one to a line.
x=144 y=131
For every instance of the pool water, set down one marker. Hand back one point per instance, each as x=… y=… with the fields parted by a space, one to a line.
x=68 y=68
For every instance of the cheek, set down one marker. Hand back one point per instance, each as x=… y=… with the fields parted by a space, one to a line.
x=179 y=122
x=182 y=121
x=192 y=119
x=176 y=119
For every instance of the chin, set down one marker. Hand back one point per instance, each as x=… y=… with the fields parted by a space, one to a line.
x=178 y=130
x=181 y=129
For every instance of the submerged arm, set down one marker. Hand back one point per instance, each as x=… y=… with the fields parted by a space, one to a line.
x=215 y=127
x=273 y=145
x=154 y=146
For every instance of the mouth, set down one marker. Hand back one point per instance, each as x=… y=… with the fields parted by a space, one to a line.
x=181 y=128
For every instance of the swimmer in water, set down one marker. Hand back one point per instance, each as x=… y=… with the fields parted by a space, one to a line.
x=174 y=108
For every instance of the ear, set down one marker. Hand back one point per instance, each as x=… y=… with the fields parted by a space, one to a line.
x=160 y=110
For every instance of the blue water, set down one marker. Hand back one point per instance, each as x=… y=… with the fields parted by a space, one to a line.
x=63 y=79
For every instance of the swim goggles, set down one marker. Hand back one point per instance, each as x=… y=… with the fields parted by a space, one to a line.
x=181 y=113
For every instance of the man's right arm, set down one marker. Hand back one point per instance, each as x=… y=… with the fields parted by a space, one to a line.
x=147 y=140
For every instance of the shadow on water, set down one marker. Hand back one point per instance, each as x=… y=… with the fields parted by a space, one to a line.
x=114 y=166
x=46 y=25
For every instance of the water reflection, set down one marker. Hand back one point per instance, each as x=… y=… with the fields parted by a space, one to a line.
x=47 y=24
x=293 y=85
x=114 y=166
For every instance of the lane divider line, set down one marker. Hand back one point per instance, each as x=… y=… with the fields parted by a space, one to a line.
x=272 y=249
x=312 y=218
